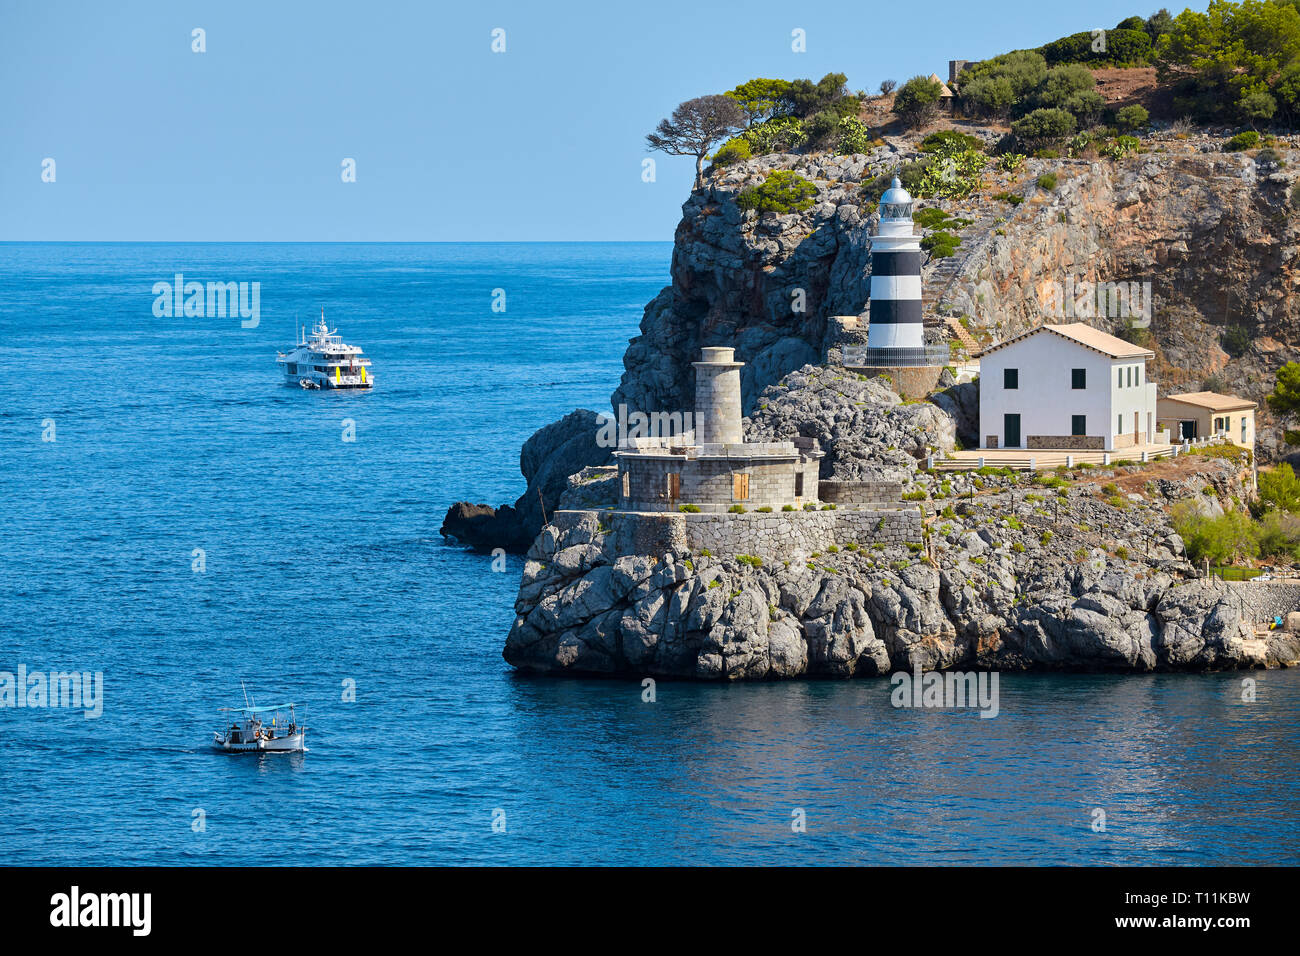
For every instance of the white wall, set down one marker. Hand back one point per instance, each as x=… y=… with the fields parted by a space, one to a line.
x=1125 y=401
x=1045 y=399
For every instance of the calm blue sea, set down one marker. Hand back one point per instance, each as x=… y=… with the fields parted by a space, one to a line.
x=324 y=568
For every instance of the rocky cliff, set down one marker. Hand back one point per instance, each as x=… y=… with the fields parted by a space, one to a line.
x=1214 y=233
x=1008 y=584
x=546 y=460
x=768 y=285
x=1011 y=572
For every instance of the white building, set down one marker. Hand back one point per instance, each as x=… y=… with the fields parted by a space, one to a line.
x=1202 y=414
x=1066 y=387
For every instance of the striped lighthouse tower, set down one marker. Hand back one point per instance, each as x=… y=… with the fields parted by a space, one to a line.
x=896 y=329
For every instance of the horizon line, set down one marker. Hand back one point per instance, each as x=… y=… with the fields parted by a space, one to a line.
x=328 y=242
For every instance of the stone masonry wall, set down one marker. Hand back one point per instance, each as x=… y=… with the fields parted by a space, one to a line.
x=876 y=494
x=1080 y=442
x=787 y=534
x=776 y=535
x=708 y=482
x=1262 y=600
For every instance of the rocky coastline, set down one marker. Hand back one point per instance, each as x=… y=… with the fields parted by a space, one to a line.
x=1008 y=573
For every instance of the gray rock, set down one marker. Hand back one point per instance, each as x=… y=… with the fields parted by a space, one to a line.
x=547 y=460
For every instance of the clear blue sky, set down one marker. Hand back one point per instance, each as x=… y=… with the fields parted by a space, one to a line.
x=452 y=142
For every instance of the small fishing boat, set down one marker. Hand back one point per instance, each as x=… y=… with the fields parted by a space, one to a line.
x=249 y=732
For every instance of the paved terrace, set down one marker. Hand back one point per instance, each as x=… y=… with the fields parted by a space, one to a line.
x=1040 y=459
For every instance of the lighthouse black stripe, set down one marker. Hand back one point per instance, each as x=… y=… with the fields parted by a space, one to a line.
x=896 y=263
x=896 y=311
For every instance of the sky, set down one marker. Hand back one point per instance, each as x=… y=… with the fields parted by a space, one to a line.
x=451 y=141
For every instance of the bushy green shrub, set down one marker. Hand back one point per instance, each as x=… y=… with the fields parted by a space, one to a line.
x=1044 y=126
x=736 y=509
x=1012 y=198
x=819 y=126
x=1256 y=106
x=1132 y=117
x=1072 y=88
x=1226 y=539
x=1236 y=340
x=946 y=139
x=1278 y=534
x=1279 y=489
x=784 y=191
x=732 y=151
x=994 y=87
x=752 y=560
x=853 y=136
x=940 y=244
x=1010 y=162
x=932 y=217
x=1047 y=181
x=779 y=134
x=688 y=509
x=806 y=98
x=1122 y=46
x=917 y=100
x=1247 y=139
x=1085 y=107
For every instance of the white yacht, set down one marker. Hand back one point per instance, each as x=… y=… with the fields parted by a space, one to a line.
x=325 y=361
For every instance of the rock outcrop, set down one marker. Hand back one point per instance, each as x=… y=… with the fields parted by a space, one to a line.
x=767 y=284
x=547 y=459
x=1006 y=579
x=866 y=430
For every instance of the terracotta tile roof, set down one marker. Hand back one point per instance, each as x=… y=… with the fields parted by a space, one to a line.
x=1214 y=401
x=1084 y=335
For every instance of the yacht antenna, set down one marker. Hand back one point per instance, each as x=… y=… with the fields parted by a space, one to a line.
x=245 y=690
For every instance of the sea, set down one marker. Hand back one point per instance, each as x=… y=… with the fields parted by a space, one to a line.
x=184 y=528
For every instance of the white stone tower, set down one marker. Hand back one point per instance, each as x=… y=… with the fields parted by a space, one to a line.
x=717 y=398
x=896 y=281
